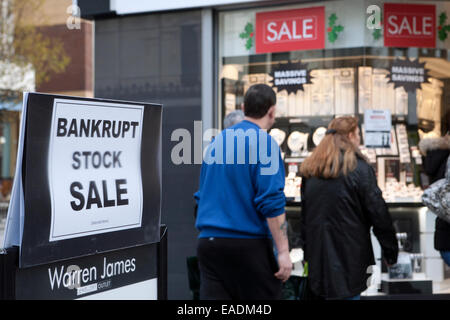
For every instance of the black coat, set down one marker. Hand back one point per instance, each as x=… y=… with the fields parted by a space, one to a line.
x=436 y=153
x=336 y=218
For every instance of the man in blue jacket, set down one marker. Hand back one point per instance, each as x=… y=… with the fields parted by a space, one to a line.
x=241 y=208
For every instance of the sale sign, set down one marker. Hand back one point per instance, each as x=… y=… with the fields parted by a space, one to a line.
x=409 y=25
x=87 y=180
x=289 y=30
x=97 y=146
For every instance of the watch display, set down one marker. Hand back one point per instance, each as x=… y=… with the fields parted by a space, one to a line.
x=302 y=118
x=297 y=142
x=278 y=135
x=318 y=135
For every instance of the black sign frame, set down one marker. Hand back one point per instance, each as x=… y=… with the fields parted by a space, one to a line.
x=36 y=248
x=32 y=283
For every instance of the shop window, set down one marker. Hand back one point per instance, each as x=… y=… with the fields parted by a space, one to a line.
x=344 y=81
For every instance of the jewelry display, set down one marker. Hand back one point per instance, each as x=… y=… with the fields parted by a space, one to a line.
x=278 y=135
x=318 y=135
x=297 y=142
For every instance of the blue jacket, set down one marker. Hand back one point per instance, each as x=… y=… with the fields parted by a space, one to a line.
x=237 y=195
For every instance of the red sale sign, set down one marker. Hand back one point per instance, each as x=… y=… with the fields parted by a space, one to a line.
x=289 y=30
x=409 y=25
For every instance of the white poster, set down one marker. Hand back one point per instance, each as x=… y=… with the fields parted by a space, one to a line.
x=94 y=168
x=377 y=126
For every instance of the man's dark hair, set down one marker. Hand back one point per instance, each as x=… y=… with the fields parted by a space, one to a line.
x=258 y=99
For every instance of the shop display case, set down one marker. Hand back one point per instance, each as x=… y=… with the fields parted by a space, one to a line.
x=349 y=85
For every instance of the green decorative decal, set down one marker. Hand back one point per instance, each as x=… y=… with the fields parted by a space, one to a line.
x=377 y=33
x=442 y=28
x=333 y=29
x=248 y=34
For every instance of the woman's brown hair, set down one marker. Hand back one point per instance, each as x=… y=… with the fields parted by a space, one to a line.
x=335 y=154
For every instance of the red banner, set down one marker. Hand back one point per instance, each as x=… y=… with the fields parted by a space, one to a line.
x=409 y=25
x=289 y=30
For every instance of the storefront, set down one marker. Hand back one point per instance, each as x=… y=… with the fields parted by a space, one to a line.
x=324 y=59
x=324 y=62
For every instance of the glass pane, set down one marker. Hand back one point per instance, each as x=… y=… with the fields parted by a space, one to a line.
x=344 y=81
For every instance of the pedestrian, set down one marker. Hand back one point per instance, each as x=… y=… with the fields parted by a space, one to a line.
x=233 y=118
x=436 y=152
x=241 y=208
x=340 y=203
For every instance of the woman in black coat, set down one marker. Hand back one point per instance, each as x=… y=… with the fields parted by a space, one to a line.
x=436 y=151
x=340 y=203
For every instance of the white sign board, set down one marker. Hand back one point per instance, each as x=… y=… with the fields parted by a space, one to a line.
x=94 y=168
x=377 y=127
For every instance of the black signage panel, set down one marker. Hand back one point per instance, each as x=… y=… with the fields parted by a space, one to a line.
x=90 y=176
x=408 y=74
x=290 y=76
x=121 y=274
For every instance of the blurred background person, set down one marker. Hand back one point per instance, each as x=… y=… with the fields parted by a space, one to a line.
x=233 y=118
x=340 y=203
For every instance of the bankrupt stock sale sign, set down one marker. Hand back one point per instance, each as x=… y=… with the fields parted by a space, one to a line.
x=88 y=178
x=97 y=147
x=409 y=25
x=289 y=30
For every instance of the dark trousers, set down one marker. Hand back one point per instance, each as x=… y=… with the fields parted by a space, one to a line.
x=237 y=269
